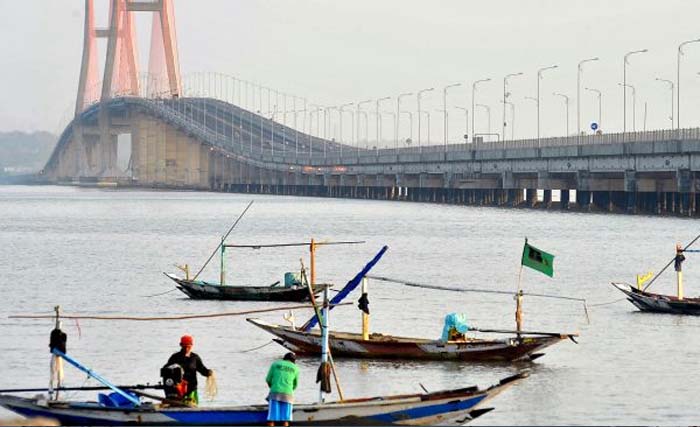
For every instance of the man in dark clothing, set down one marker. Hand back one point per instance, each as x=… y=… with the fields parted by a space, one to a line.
x=191 y=363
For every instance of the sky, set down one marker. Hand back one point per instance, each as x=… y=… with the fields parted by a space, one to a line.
x=334 y=52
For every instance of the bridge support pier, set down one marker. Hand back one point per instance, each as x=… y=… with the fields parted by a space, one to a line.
x=564 y=199
x=547 y=199
x=583 y=200
x=531 y=197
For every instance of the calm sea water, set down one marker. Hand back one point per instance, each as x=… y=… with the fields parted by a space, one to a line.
x=103 y=252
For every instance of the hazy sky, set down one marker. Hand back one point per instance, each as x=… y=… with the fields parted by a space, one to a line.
x=335 y=52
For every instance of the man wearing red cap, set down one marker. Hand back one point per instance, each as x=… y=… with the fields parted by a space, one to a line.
x=191 y=363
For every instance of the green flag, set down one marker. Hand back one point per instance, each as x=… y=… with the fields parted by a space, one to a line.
x=538 y=260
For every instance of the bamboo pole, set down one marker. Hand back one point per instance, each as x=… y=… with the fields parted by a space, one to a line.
x=365 y=316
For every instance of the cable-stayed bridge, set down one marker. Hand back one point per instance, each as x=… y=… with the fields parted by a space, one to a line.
x=182 y=134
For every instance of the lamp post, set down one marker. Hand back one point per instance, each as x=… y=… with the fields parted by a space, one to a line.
x=488 y=113
x=578 y=91
x=418 y=98
x=398 y=117
x=670 y=84
x=634 y=105
x=340 y=113
x=444 y=107
x=533 y=99
x=624 y=86
x=512 y=120
x=474 y=102
x=505 y=95
x=466 y=122
x=678 y=78
x=600 y=104
x=410 y=123
x=379 y=119
x=539 y=77
x=359 y=111
x=566 y=103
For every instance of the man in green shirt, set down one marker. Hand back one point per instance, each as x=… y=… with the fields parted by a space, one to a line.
x=282 y=378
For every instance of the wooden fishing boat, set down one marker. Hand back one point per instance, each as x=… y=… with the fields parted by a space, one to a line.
x=449 y=407
x=198 y=289
x=346 y=344
x=659 y=303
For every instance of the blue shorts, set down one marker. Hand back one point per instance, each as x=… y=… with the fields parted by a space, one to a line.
x=279 y=411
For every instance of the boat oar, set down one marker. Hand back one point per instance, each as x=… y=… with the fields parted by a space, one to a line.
x=89 y=388
x=508 y=331
x=222 y=240
x=669 y=263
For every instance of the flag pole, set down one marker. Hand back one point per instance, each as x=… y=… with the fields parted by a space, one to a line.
x=519 y=296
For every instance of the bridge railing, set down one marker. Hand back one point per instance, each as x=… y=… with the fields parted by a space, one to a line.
x=335 y=154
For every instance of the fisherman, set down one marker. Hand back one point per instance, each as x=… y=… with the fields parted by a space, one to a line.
x=678 y=260
x=190 y=363
x=282 y=378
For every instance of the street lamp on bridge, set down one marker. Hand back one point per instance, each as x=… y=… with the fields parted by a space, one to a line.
x=600 y=105
x=359 y=111
x=352 y=125
x=474 y=103
x=634 y=104
x=505 y=96
x=512 y=120
x=539 y=77
x=578 y=91
x=678 y=78
x=418 y=98
x=466 y=122
x=670 y=85
x=488 y=113
x=398 y=117
x=444 y=108
x=625 y=85
x=566 y=103
x=379 y=120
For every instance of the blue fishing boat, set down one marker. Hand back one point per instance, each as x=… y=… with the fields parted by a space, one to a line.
x=449 y=407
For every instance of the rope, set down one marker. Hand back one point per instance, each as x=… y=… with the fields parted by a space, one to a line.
x=146 y=319
x=162 y=293
x=607 y=303
x=255 y=348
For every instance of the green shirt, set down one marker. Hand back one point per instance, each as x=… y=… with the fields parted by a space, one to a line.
x=282 y=377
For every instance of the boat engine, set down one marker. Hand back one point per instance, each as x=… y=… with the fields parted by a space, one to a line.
x=174 y=384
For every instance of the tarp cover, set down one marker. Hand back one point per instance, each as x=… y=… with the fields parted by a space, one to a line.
x=458 y=321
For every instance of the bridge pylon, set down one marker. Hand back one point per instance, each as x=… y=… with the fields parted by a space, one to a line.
x=121 y=76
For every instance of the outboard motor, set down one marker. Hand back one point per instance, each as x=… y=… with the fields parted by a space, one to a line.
x=174 y=384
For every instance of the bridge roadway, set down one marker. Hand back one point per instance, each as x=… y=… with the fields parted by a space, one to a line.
x=209 y=144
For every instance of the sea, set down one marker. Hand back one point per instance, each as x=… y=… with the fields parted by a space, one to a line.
x=104 y=251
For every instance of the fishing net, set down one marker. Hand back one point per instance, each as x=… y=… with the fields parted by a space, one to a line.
x=211 y=389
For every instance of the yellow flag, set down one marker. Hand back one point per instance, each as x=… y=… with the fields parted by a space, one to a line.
x=641 y=278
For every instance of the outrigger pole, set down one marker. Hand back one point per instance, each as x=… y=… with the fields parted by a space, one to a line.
x=669 y=263
x=312 y=250
x=96 y=376
x=222 y=239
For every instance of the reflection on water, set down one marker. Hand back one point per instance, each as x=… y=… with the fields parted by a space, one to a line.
x=104 y=251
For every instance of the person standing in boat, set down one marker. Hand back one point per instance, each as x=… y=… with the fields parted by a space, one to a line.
x=678 y=261
x=190 y=363
x=282 y=378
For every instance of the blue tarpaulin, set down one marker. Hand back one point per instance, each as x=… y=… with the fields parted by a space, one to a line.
x=458 y=321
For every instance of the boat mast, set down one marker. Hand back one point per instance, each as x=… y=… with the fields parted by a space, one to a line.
x=324 y=331
x=678 y=261
x=222 y=279
x=365 y=316
x=312 y=261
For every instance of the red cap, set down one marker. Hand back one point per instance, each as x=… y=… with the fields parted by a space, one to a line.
x=186 y=340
